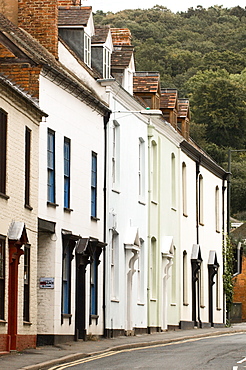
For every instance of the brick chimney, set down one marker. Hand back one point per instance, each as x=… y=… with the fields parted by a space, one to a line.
x=121 y=36
x=9 y=8
x=69 y=3
x=40 y=19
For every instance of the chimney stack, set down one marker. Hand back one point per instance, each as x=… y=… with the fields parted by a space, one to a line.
x=9 y=8
x=40 y=19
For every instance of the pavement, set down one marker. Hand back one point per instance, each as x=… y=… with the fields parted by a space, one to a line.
x=47 y=356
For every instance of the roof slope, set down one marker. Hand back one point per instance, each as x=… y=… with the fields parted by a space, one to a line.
x=12 y=36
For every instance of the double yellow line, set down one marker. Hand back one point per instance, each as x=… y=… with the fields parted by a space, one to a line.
x=112 y=353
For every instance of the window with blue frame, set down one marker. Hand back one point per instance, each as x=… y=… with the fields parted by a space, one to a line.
x=51 y=166
x=94 y=287
x=66 y=276
x=66 y=173
x=94 y=185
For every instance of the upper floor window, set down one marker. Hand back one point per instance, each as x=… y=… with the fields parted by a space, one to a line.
x=87 y=50
x=94 y=185
x=3 y=150
x=200 y=198
x=217 y=209
x=66 y=173
x=115 y=153
x=27 y=166
x=141 y=168
x=173 y=182
x=184 y=189
x=106 y=63
x=51 y=166
x=154 y=174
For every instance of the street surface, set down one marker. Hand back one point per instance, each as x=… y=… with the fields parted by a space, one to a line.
x=223 y=352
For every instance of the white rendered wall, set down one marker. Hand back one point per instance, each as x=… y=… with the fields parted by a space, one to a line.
x=73 y=119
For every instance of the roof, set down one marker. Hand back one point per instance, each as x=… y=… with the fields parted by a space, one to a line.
x=146 y=82
x=121 y=36
x=121 y=56
x=6 y=83
x=101 y=34
x=17 y=38
x=168 y=98
x=183 y=108
x=74 y=15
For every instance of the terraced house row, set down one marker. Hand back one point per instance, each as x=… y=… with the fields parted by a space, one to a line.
x=112 y=219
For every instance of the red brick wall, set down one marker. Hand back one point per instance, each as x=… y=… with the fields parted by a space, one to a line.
x=40 y=19
x=240 y=289
x=4 y=343
x=26 y=341
x=70 y=2
x=24 y=76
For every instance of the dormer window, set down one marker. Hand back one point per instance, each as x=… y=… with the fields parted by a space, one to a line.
x=106 y=63
x=87 y=50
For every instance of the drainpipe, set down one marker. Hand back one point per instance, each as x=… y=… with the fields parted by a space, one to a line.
x=197 y=201
x=197 y=237
x=105 y=122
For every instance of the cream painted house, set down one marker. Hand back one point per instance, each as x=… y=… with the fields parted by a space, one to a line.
x=20 y=119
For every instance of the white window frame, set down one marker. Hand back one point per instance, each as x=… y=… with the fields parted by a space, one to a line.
x=87 y=50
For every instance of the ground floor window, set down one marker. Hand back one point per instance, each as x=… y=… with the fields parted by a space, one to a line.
x=94 y=287
x=26 y=305
x=2 y=276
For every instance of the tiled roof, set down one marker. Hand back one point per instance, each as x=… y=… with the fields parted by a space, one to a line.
x=146 y=82
x=8 y=84
x=101 y=34
x=38 y=54
x=121 y=36
x=183 y=108
x=121 y=56
x=168 y=98
x=74 y=15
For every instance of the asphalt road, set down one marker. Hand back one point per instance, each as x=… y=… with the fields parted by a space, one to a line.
x=219 y=353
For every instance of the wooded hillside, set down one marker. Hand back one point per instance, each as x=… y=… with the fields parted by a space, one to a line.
x=201 y=53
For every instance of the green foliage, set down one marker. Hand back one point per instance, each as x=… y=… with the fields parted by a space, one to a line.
x=218 y=102
x=228 y=257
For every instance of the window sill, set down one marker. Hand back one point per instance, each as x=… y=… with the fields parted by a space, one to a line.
x=95 y=218
x=115 y=191
x=174 y=209
x=153 y=299
x=115 y=300
x=66 y=315
x=94 y=317
x=28 y=207
x=217 y=231
x=140 y=304
x=154 y=202
x=173 y=304
x=3 y=322
x=4 y=196
x=201 y=223
x=185 y=215
x=218 y=309
x=142 y=203
x=68 y=210
x=27 y=323
x=54 y=205
x=186 y=304
x=202 y=306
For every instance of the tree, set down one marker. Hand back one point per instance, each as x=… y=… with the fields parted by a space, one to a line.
x=218 y=101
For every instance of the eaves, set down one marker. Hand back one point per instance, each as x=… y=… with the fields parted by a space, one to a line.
x=204 y=160
x=22 y=99
x=71 y=85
